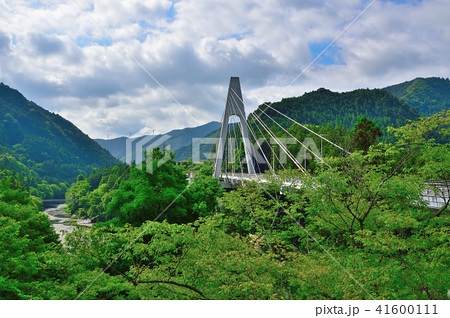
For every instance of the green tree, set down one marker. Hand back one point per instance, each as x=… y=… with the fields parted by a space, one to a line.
x=147 y=196
x=365 y=133
x=203 y=193
x=31 y=263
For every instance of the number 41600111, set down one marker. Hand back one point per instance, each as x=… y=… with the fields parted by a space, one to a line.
x=418 y=309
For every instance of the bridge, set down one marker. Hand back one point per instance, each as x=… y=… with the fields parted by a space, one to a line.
x=256 y=160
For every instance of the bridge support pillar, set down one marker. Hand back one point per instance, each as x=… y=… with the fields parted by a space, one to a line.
x=234 y=106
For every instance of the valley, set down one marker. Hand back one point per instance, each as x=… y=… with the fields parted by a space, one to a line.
x=157 y=234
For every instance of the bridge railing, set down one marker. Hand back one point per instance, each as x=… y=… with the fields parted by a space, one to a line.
x=246 y=176
x=437 y=193
x=230 y=180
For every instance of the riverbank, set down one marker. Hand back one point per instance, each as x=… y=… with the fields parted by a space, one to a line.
x=62 y=222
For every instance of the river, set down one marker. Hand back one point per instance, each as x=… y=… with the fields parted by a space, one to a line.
x=61 y=220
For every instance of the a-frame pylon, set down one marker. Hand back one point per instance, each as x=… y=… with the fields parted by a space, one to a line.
x=234 y=106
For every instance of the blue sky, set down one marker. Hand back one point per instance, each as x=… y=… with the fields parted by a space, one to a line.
x=114 y=67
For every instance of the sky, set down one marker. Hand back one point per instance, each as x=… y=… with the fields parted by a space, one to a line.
x=116 y=68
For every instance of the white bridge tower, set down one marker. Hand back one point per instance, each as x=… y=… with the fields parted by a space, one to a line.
x=234 y=106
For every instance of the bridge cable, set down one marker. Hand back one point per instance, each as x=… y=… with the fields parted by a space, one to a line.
x=252 y=133
x=285 y=130
x=318 y=135
x=318 y=157
x=282 y=146
x=234 y=131
x=226 y=145
x=294 y=121
x=272 y=168
x=235 y=138
x=270 y=133
x=268 y=143
x=257 y=141
x=226 y=150
x=242 y=115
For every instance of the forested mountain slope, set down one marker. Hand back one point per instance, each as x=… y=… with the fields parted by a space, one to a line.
x=324 y=107
x=429 y=95
x=42 y=144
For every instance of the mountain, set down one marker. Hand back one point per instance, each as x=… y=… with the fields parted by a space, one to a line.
x=429 y=95
x=185 y=152
x=46 y=147
x=322 y=107
x=175 y=139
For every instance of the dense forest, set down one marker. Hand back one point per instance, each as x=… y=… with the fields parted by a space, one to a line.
x=324 y=107
x=42 y=149
x=355 y=228
x=430 y=95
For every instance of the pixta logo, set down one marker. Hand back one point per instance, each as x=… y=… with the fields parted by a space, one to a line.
x=140 y=150
x=308 y=149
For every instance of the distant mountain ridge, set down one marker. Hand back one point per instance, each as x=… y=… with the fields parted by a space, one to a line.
x=176 y=139
x=51 y=146
x=205 y=146
x=430 y=95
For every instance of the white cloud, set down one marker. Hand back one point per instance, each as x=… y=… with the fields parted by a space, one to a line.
x=93 y=60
